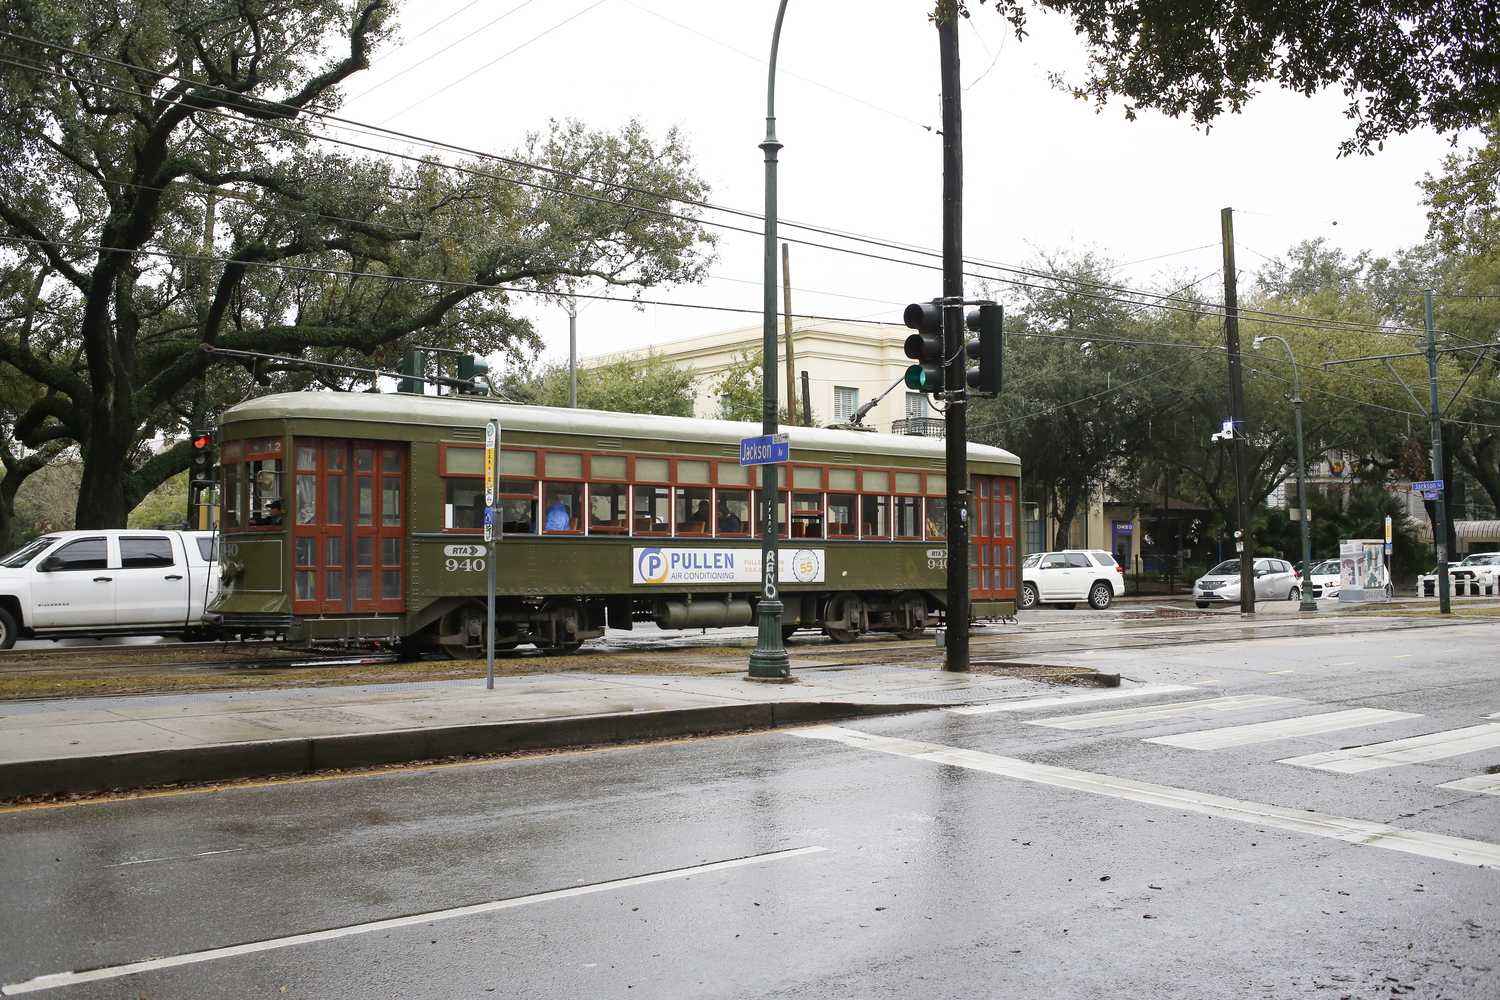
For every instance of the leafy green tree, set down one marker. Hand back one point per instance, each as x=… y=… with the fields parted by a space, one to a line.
x=160 y=160
x=633 y=384
x=737 y=390
x=1402 y=65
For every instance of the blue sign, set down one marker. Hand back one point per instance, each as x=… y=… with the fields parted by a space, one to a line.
x=766 y=450
x=1427 y=487
x=1430 y=495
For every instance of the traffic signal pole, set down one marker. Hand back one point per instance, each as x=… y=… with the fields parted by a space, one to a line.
x=1237 y=418
x=955 y=341
x=1439 y=507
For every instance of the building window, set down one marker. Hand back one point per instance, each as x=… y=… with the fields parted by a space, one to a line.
x=845 y=402
x=916 y=405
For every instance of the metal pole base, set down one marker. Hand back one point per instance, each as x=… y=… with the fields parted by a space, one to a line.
x=1308 y=603
x=769 y=660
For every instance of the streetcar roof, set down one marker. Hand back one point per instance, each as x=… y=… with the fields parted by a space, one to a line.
x=447 y=412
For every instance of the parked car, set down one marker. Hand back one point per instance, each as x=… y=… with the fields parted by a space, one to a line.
x=1071 y=575
x=1275 y=580
x=1325 y=578
x=1481 y=566
x=95 y=583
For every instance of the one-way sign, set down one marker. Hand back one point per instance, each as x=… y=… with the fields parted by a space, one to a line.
x=1427 y=487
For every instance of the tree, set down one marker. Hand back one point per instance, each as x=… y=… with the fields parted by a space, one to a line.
x=633 y=384
x=163 y=161
x=1402 y=64
x=739 y=391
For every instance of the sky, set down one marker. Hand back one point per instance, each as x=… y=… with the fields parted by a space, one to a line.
x=857 y=111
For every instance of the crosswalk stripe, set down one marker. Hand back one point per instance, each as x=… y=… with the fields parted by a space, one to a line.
x=1281 y=729
x=1489 y=784
x=1149 y=713
x=1433 y=746
x=1069 y=699
x=1355 y=831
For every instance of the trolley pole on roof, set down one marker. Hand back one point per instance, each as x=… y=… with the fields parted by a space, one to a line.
x=769 y=661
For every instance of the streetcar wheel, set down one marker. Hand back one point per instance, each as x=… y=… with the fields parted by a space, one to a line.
x=580 y=617
x=7 y=629
x=1028 y=596
x=916 y=610
x=1100 y=595
x=849 y=611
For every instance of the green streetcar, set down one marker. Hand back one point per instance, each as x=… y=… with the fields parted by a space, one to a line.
x=356 y=519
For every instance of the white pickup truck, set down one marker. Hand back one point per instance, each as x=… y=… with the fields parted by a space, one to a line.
x=95 y=583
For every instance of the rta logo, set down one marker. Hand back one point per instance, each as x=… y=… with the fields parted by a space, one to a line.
x=652 y=566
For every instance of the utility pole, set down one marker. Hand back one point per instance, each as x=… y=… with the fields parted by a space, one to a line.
x=1237 y=418
x=1439 y=507
x=571 y=305
x=769 y=660
x=955 y=340
x=786 y=320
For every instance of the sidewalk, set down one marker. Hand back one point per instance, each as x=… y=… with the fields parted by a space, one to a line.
x=126 y=742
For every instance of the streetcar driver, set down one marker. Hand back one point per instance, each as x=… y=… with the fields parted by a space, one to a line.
x=270 y=518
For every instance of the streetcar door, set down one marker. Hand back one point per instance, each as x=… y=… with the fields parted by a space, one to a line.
x=992 y=543
x=349 y=544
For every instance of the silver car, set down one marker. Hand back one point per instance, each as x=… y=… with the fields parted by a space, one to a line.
x=1275 y=580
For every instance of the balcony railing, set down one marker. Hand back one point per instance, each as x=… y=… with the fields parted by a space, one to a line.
x=931 y=427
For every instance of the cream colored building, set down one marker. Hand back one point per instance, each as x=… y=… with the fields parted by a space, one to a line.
x=847 y=365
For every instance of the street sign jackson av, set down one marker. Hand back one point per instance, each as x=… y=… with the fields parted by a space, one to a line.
x=767 y=450
x=1431 y=487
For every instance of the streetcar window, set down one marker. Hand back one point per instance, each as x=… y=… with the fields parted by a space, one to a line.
x=694 y=506
x=364 y=460
x=561 y=506
x=232 y=496
x=263 y=477
x=875 y=522
x=807 y=479
x=733 y=512
x=517 y=463
x=937 y=517
x=335 y=514
x=608 y=467
x=306 y=579
x=517 y=515
x=463 y=506
x=307 y=496
x=563 y=465
x=390 y=499
x=760 y=511
x=652 y=470
x=609 y=505
x=877 y=482
x=938 y=484
x=390 y=571
x=841 y=508
x=460 y=461
x=807 y=511
x=364 y=512
x=844 y=480
x=907 y=515
x=692 y=472
x=652 y=512
x=732 y=474
x=908 y=482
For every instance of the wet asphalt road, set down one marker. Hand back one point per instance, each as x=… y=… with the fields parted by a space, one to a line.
x=934 y=880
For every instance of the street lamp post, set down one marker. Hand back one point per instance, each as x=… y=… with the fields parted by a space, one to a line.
x=1308 y=601
x=769 y=660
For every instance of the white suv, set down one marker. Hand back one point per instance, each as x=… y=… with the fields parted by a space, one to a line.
x=1071 y=575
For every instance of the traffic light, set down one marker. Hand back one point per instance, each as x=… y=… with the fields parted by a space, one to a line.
x=925 y=347
x=412 y=363
x=470 y=369
x=988 y=348
x=201 y=466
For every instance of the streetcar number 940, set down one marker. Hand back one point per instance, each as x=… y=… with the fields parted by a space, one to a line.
x=465 y=565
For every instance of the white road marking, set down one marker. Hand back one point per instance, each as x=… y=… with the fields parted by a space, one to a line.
x=1071 y=699
x=1121 y=716
x=1433 y=746
x=1489 y=784
x=1281 y=729
x=1355 y=831
x=57 y=979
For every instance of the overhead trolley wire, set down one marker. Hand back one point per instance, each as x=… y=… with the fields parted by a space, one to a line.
x=1130 y=296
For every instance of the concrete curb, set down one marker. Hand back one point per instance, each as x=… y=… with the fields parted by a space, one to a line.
x=230 y=761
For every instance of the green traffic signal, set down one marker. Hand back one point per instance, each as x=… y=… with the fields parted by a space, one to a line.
x=925 y=347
